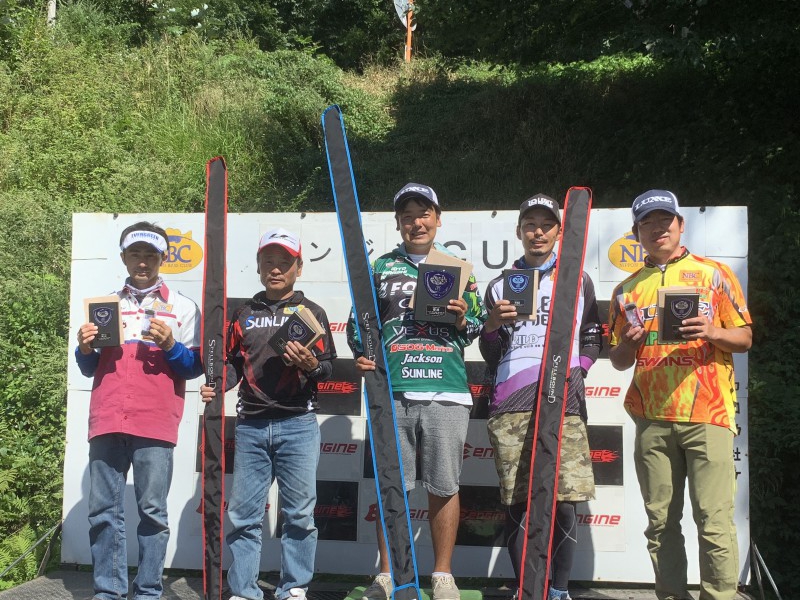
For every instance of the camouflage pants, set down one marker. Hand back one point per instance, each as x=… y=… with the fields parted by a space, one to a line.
x=511 y=437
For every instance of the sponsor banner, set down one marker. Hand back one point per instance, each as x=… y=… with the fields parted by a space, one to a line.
x=626 y=254
x=368 y=514
x=340 y=450
x=322 y=255
x=480 y=386
x=601 y=522
x=489 y=242
x=609 y=548
x=336 y=512
x=602 y=309
x=605 y=393
x=605 y=449
x=482 y=518
x=341 y=394
x=478 y=467
x=184 y=253
x=368 y=472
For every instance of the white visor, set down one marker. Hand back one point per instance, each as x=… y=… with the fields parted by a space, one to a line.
x=148 y=237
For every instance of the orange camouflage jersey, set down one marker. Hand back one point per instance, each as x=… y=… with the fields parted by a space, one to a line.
x=691 y=381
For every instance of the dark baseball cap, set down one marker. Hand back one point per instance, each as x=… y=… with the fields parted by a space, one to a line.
x=540 y=201
x=416 y=190
x=654 y=200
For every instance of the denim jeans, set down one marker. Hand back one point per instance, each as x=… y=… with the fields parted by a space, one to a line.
x=110 y=457
x=268 y=449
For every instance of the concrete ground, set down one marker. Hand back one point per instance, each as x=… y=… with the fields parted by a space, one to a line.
x=77 y=585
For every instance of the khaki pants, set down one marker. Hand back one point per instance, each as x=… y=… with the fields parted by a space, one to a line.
x=666 y=455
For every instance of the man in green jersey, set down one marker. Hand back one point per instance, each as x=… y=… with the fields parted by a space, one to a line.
x=429 y=380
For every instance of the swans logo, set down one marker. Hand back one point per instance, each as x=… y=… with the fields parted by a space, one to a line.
x=184 y=253
x=626 y=253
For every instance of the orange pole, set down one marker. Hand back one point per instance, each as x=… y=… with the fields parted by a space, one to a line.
x=409 y=17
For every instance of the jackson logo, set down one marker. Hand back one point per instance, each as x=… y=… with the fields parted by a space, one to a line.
x=471 y=451
x=345 y=448
x=599 y=520
x=336 y=387
x=333 y=511
x=184 y=253
x=604 y=456
x=626 y=253
x=415 y=514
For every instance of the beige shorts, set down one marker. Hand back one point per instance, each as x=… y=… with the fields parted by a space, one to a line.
x=512 y=440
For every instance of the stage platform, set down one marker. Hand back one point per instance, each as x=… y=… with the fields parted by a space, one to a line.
x=72 y=584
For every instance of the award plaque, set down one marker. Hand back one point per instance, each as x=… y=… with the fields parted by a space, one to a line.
x=436 y=286
x=520 y=287
x=437 y=257
x=674 y=305
x=301 y=327
x=103 y=311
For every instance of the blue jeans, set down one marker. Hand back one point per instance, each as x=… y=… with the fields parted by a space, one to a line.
x=110 y=458
x=267 y=449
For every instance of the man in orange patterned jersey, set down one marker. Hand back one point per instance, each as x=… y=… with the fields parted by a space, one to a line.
x=682 y=399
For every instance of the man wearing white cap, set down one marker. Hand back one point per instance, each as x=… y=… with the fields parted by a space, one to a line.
x=432 y=405
x=277 y=434
x=136 y=406
x=682 y=397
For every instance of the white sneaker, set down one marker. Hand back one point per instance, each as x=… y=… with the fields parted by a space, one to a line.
x=557 y=595
x=298 y=593
x=444 y=588
x=380 y=589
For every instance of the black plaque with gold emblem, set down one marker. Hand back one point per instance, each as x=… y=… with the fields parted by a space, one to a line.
x=436 y=286
x=674 y=305
x=519 y=288
x=103 y=311
x=300 y=327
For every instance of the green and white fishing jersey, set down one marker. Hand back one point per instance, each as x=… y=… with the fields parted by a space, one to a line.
x=422 y=356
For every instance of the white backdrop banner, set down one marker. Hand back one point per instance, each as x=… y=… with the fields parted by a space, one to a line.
x=610 y=535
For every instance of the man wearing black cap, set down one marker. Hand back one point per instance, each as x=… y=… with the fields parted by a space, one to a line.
x=682 y=397
x=426 y=363
x=512 y=348
x=136 y=406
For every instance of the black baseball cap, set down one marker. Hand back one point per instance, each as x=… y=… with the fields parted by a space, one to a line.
x=654 y=200
x=540 y=201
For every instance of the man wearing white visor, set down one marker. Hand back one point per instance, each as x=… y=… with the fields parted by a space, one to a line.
x=136 y=406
